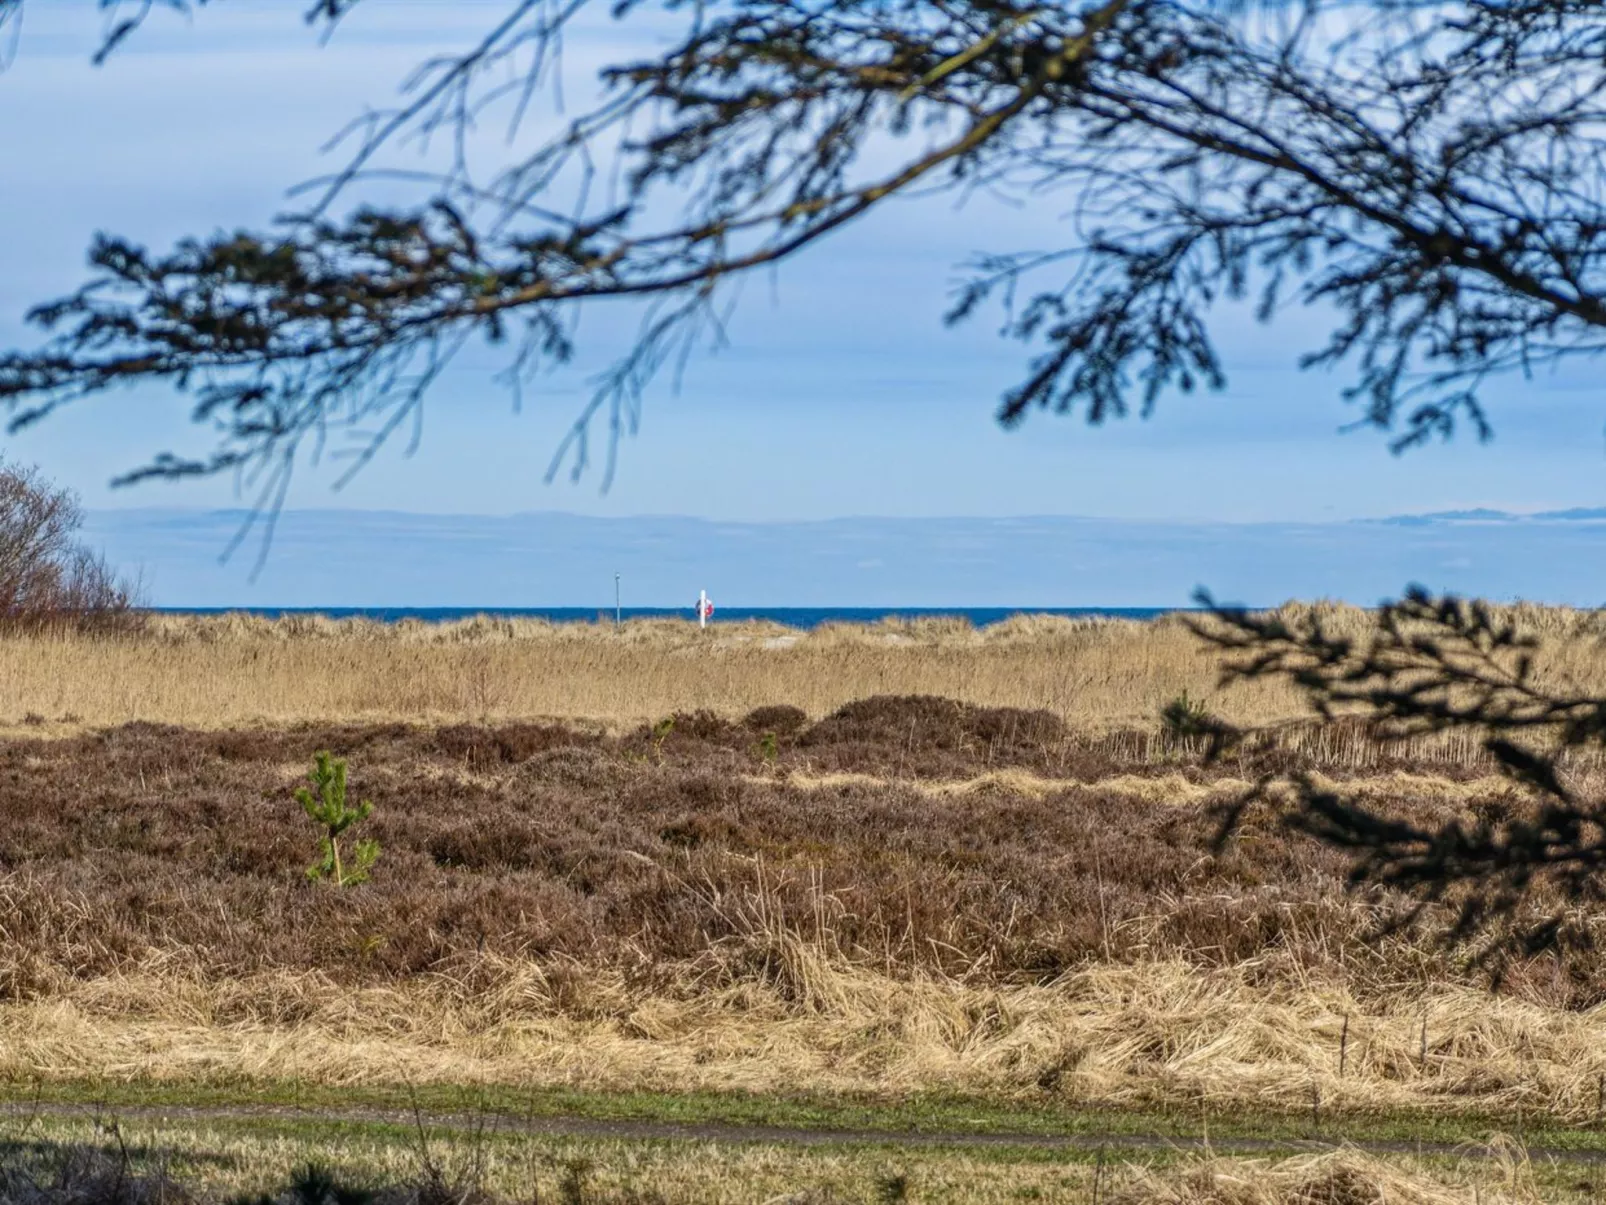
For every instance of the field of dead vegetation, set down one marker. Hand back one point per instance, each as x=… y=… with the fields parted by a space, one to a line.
x=909 y=895
x=892 y=865
x=1098 y=675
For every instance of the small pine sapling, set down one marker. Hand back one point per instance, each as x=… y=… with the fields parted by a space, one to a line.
x=660 y=734
x=326 y=805
x=1184 y=716
x=1186 y=720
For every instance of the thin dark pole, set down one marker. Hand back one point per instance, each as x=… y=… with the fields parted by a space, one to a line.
x=616 y=600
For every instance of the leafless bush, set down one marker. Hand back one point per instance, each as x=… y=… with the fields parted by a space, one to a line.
x=48 y=578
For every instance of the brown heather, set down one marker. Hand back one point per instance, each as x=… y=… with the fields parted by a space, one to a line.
x=910 y=895
x=535 y=841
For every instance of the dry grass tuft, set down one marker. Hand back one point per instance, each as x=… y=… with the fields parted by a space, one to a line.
x=1340 y=1178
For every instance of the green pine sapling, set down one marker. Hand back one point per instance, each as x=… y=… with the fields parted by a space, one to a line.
x=326 y=806
x=1184 y=717
x=660 y=734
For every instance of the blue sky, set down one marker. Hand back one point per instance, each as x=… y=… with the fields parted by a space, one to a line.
x=325 y=558
x=841 y=393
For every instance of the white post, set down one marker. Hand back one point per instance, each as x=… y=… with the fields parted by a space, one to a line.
x=702 y=608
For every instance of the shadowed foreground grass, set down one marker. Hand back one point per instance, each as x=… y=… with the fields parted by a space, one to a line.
x=136 y=1161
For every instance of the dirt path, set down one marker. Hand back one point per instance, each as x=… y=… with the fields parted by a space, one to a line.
x=628 y=1130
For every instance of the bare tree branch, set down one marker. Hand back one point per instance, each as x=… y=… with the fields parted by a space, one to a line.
x=1435 y=184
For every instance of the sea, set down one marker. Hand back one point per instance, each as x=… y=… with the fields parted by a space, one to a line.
x=792 y=617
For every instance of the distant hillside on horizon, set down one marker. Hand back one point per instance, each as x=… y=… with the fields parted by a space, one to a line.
x=384 y=558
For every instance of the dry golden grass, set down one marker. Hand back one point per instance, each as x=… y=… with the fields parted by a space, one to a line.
x=1339 y=1178
x=1162 y=1034
x=232 y=670
x=1177 y=789
x=237 y=671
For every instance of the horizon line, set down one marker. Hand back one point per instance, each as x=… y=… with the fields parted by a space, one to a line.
x=1454 y=515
